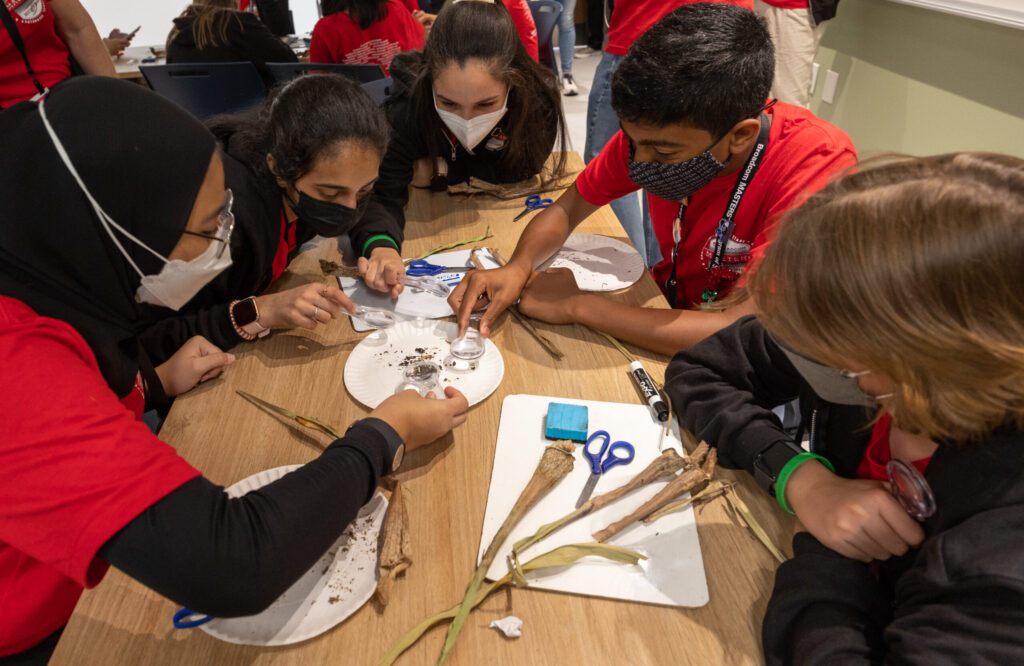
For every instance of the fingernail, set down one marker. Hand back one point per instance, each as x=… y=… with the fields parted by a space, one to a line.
x=231 y=358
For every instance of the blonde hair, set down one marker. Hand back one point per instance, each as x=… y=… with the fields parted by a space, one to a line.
x=913 y=267
x=210 y=21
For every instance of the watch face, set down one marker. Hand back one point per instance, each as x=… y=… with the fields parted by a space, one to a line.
x=245 y=312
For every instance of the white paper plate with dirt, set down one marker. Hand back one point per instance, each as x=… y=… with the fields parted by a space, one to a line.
x=599 y=263
x=341 y=581
x=377 y=364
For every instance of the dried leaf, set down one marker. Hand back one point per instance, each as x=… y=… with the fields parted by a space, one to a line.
x=559 y=557
x=450 y=246
x=755 y=527
x=555 y=463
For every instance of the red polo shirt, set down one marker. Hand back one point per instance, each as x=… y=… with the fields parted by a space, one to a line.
x=803 y=154
x=46 y=51
x=632 y=18
x=75 y=467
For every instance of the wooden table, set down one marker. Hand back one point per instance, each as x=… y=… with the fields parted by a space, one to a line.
x=122 y=622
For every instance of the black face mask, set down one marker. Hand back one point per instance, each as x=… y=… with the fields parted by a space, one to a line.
x=326 y=218
x=675 y=182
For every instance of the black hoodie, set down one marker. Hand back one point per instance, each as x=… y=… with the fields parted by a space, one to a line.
x=956 y=599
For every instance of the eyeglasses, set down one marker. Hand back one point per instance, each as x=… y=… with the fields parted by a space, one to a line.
x=226 y=224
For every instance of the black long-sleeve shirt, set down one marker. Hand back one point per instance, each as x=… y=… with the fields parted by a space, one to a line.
x=230 y=557
x=956 y=599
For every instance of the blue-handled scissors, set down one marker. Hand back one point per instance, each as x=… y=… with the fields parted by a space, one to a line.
x=419 y=268
x=533 y=202
x=603 y=460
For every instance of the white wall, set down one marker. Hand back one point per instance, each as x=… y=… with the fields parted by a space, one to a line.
x=155 y=17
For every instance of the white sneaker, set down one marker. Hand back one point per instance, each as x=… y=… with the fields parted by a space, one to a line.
x=569 y=87
x=585 y=52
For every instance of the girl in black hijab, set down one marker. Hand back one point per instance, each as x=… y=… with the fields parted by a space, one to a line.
x=108 y=210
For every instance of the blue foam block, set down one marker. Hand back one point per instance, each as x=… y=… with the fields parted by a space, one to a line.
x=566 y=422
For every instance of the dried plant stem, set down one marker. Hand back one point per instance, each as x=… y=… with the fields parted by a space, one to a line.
x=710 y=492
x=669 y=462
x=306 y=421
x=555 y=463
x=393 y=548
x=450 y=246
x=690 y=480
x=559 y=557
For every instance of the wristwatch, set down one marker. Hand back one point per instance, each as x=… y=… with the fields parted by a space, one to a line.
x=246 y=318
x=770 y=460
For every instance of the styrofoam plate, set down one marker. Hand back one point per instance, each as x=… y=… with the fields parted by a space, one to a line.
x=340 y=582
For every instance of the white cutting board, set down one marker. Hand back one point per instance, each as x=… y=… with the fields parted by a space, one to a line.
x=410 y=305
x=672 y=575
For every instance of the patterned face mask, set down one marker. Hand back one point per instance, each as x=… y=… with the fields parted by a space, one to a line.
x=675 y=182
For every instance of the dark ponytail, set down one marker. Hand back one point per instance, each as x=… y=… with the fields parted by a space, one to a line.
x=364 y=12
x=484 y=31
x=300 y=122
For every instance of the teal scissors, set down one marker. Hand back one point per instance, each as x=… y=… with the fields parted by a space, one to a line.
x=533 y=202
x=603 y=460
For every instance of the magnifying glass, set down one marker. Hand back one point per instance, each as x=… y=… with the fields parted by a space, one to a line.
x=910 y=489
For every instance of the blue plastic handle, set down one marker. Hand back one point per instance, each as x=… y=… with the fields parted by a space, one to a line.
x=181 y=623
x=534 y=201
x=597 y=466
x=613 y=458
x=419 y=267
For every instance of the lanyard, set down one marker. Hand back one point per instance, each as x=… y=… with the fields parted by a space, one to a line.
x=12 y=31
x=725 y=225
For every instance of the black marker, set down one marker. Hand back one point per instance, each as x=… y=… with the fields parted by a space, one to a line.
x=646 y=386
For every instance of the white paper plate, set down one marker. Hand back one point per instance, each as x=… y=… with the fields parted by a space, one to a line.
x=411 y=305
x=599 y=263
x=340 y=582
x=374 y=369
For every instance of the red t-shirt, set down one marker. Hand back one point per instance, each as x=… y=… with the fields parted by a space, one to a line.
x=632 y=18
x=525 y=26
x=787 y=4
x=339 y=39
x=75 y=467
x=803 y=153
x=45 y=49
x=878 y=454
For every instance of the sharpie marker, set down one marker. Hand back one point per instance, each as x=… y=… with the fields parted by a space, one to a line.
x=646 y=386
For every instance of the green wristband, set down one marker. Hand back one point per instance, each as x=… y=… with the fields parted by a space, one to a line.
x=787 y=471
x=376 y=238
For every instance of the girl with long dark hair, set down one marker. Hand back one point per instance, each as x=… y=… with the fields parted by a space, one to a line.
x=472 y=104
x=300 y=166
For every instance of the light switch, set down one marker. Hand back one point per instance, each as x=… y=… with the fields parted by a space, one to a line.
x=814 y=79
x=828 y=94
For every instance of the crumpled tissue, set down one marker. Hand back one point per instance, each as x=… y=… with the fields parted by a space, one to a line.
x=511 y=626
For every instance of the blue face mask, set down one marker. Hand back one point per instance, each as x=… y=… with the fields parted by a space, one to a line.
x=675 y=182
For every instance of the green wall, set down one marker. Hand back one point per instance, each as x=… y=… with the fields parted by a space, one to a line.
x=918 y=81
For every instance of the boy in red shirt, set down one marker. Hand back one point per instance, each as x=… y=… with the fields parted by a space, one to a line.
x=719 y=163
